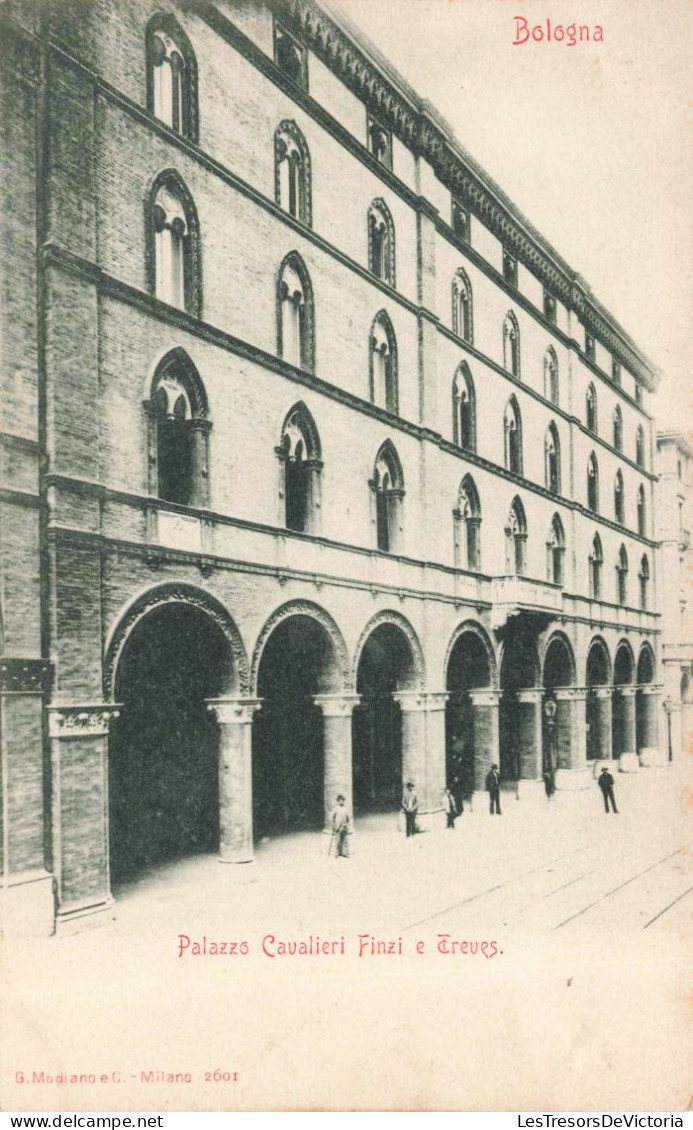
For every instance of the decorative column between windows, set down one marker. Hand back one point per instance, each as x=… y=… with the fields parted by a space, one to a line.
x=571 y=738
x=235 y=718
x=486 y=705
x=199 y=430
x=648 y=709
x=337 y=710
x=79 y=760
x=624 y=728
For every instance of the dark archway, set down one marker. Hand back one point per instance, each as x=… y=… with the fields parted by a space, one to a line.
x=598 y=702
x=163 y=749
x=645 y=703
x=298 y=661
x=386 y=664
x=468 y=669
x=519 y=671
x=623 y=719
x=557 y=720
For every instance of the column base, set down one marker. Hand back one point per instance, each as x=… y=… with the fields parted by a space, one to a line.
x=27 y=908
x=240 y=871
x=77 y=919
x=606 y=763
x=570 y=780
x=530 y=790
x=628 y=763
x=652 y=757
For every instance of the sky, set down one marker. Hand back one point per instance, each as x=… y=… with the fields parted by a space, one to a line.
x=594 y=142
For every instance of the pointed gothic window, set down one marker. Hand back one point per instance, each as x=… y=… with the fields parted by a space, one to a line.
x=296 y=327
x=381 y=242
x=383 y=363
x=462 y=314
x=292 y=172
x=464 y=409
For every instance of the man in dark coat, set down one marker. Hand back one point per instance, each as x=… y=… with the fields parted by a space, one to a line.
x=606 y=784
x=410 y=807
x=493 y=787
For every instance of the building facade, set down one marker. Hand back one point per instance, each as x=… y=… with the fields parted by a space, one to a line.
x=322 y=471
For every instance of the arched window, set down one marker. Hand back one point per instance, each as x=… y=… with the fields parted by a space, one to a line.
x=516 y=539
x=551 y=376
x=556 y=552
x=511 y=345
x=467 y=518
x=591 y=408
x=178 y=425
x=295 y=320
x=299 y=471
x=642 y=512
x=292 y=172
x=618 y=428
x=387 y=492
x=171 y=76
x=552 y=459
x=593 y=484
x=622 y=576
x=512 y=429
x=640 y=446
x=644 y=581
x=173 y=244
x=596 y=560
x=464 y=409
x=462 y=313
x=381 y=242
x=619 y=506
x=383 y=363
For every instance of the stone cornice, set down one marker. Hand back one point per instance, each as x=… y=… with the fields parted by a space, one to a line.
x=409 y=120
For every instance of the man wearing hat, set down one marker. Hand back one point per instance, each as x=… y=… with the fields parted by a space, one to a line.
x=493 y=787
x=606 y=784
x=341 y=826
x=410 y=807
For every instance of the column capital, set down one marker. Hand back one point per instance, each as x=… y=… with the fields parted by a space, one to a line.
x=602 y=692
x=570 y=694
x=628 y=691
x=486 y=697
x=337 y=705
x=650 y=688
x=233 y=711
x=436 y=700
x=411 y=701
x=531 y=694
x=79 y=720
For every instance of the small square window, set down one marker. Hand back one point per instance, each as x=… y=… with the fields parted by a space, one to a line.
x=510 y=268
x=290 y=56
x=380 y=143
x=589 y=346
x=460 y=221
x=549 y=306
x=616 y=372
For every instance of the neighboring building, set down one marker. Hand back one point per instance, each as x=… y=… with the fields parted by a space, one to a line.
x=674 y=492
x=322 y=469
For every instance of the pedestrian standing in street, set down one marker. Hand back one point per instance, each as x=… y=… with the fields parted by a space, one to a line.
x=606 y=784
x=493 y=788
x=341 y=827
x=450 y=808
x=410 y=807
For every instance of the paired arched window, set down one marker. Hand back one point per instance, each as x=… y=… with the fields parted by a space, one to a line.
x=512 y=432
x=387 y=492
x=467 y=518
x=642 y=512
x=596 y=560
x=295 y=314
x=551 y=391
x=171 y=76
x=292 y=172
x=462 y=312
x=173 y=244
x=552 y=459
x=644 y=581
x=464 y=409
x=622 y=576
x=618 y=428
x=299 y=471
x=516 y=539
x=591 y=408
x=556 y=552
x=619 y=504
x=511 y=345
x=593 y=484
x=640 y=446
x=381 y=242
x=179 y=427
x=383 y=363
